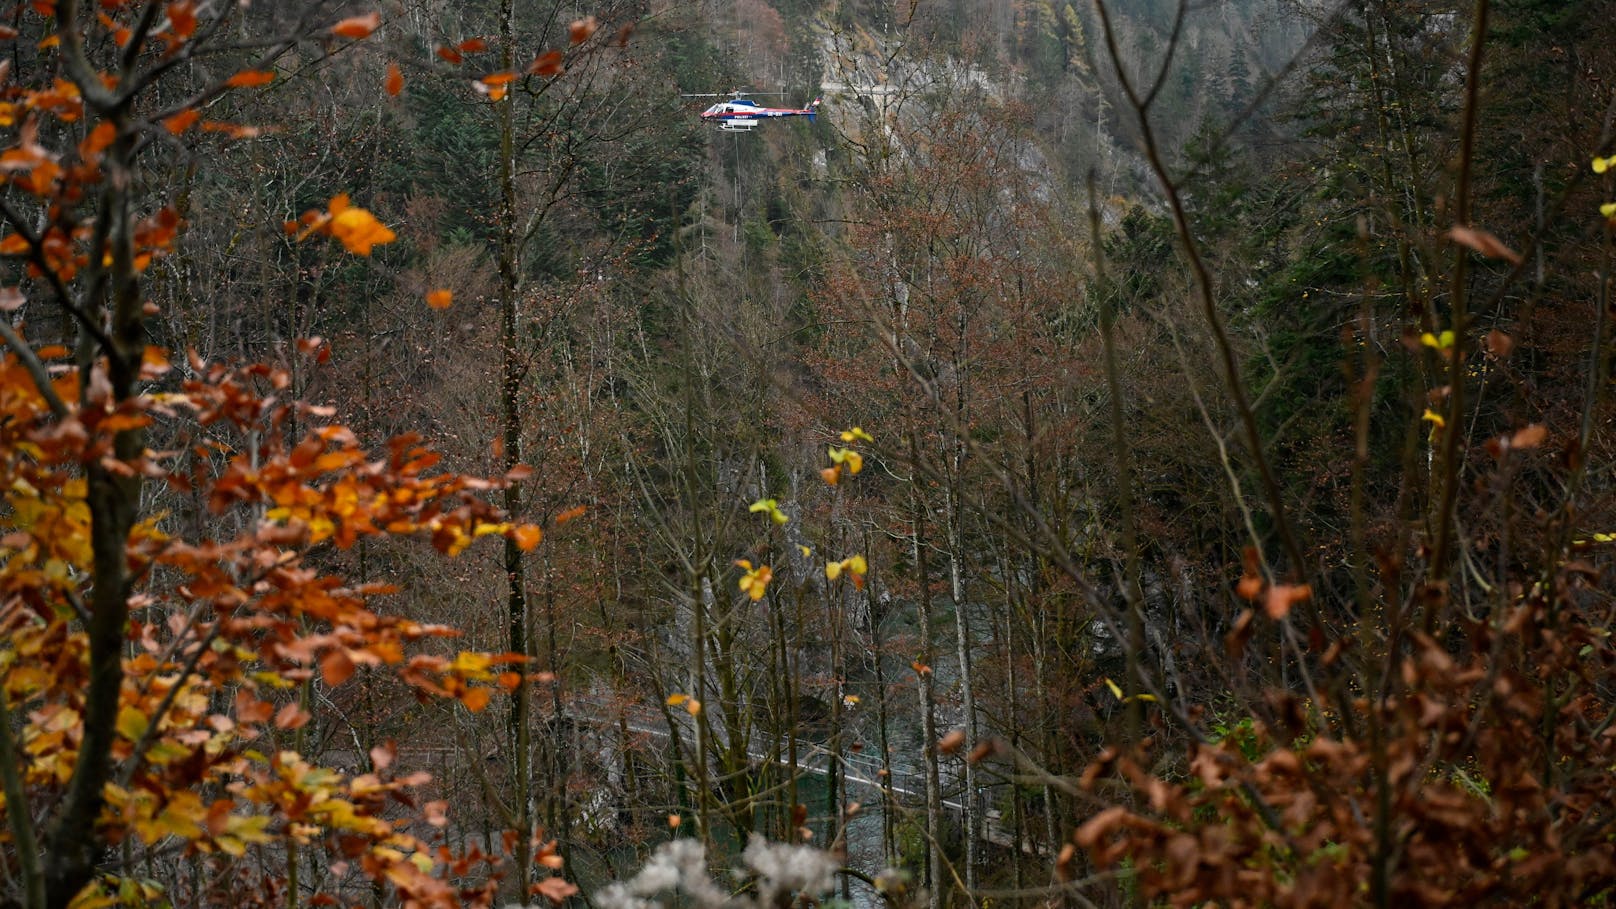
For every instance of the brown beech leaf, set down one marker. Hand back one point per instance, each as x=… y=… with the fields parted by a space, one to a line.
x=336 y=666
x=555 y=889
x=1249 y=588
x=952 y=742
x=1499 y=344
x=1282 y=597
x=1063 y=862
x=546 y=64
x=1483 y=242
x=291 y=717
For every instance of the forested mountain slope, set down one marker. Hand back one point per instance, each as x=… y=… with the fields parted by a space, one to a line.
x=1114 y=453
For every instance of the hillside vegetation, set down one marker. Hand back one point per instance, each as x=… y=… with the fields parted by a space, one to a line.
x=1113 y=454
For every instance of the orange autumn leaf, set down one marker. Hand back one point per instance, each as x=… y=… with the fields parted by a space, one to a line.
x=249 y=78
x=249 y=709
x=99 y=140
x=1249 y=588
x=1530 y=437
x=571 y=514
x=182 y=121
x=495 y=85
x=1282 y=597
x=182 y=17
x=546 y=64
x=449 y=54
x=336 y=666
x=556 y=890
x=291 y=717
x=475 y=699
x=526 y=537
x=395 y=80
x=582 y=29
x=440 y=299
x=233 y=130
x=472 y=46
x=357 y=27
x=357 y=229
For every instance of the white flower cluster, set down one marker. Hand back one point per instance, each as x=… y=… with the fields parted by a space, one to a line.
x=781 y=871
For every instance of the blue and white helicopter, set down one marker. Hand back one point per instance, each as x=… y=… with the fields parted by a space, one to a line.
x=741 y=114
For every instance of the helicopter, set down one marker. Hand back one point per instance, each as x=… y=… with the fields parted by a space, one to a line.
x=741 y=114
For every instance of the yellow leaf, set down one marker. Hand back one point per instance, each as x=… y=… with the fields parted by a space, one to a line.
x=1116 y=690
x=470 y=662
x=856 y=435
x=1439 y=342
x=770 y=507
x=848 y=458
x=755 y=583
x=675 y=700
x=132 y=723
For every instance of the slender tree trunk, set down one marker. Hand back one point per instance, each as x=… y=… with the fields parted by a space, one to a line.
x=956 y=590
x=888 y=805
x=521 y=712
x=72 y=843
x=928 y=712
